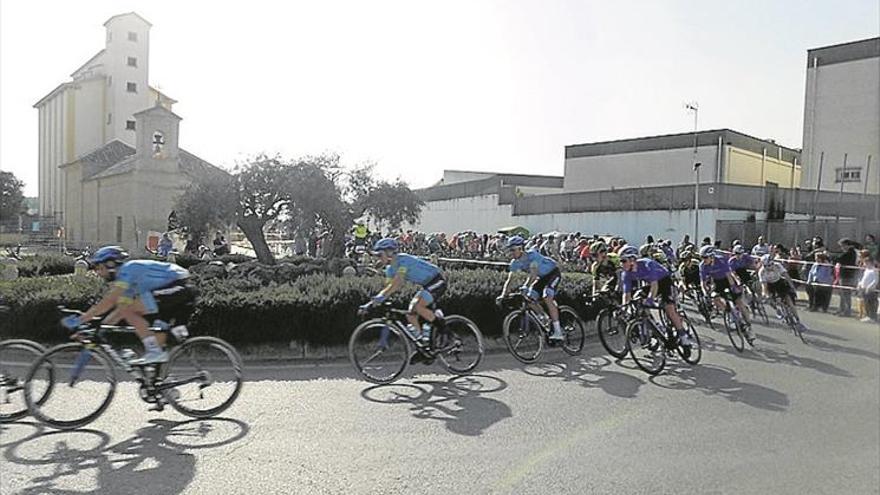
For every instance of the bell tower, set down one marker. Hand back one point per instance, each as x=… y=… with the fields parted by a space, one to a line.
x=157 y=134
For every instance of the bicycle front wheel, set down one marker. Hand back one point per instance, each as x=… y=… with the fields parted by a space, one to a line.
x=202 y=378
x=646 y=346
x=573 y=331
x=522 y=334
x=734 y=331
x=16 y=357
x=70 y=385
x=459 y=345
x=378 y=351
x=691 y=355
x=611 y=327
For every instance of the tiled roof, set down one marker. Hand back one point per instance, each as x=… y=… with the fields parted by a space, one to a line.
x=103 y=158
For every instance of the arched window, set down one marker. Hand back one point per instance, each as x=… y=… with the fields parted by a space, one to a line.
x=158 y=143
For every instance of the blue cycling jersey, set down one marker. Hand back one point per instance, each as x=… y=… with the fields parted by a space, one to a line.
x=533 y=259
x=745 y=261
x=647 y=270
x=413 y=269
x=717 y=270
x=140 y=278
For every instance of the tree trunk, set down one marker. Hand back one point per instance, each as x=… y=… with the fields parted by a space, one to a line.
x=253 y=230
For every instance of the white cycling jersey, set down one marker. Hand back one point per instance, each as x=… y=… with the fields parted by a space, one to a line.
x=771 y=273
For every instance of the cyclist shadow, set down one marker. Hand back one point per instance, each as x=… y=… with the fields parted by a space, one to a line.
x=831 y=347
x=770 y=355
x=720 y=381
x=156 y=459
x=590 y=372
x=458 y=402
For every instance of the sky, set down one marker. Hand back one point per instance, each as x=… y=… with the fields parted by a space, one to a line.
x=418 y=87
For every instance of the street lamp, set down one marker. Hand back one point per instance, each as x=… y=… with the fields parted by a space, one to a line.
x=695 y=107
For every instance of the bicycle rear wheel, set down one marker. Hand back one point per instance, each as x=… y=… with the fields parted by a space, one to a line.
x=16 y=357
x=573 y=330
x=70 y=385
x=459 y=346
x=207 y=372
x=611 y=327
x=523 y=336
x=646 y=346
x=378 y=351
x=734 y=331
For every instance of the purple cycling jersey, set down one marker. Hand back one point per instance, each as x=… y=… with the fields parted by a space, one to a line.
x=745 y=261
x=647 y=270
x=717 y=270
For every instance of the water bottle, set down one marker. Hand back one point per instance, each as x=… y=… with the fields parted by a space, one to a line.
x=180 y=332
x=544 y=319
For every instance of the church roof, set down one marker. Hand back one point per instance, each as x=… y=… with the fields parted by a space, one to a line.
x=190 y=165
x=126 y=15
x=103 y=158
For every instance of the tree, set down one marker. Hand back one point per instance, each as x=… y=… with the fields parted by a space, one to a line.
x=11 y=196
x=262 y=196
x=391 y=204
x=207 y=204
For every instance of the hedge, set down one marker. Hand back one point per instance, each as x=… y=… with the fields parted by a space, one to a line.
x=317 y=308
x=45 y=264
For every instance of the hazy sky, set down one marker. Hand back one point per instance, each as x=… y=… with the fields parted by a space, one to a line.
x=422 y=86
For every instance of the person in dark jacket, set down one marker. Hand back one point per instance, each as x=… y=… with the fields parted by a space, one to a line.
x=848 y=275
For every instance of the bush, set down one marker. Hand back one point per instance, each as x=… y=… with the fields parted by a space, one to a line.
x=45 y=264
x=318 y=308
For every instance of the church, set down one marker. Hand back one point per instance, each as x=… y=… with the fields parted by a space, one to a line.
x=110 y=164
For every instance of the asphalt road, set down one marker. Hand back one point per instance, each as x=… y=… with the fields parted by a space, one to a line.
x=783 y=418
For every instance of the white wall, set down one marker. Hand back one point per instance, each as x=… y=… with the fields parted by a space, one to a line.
x=842 y=115
x=122 y=104
x=479 y=213
x=454 y=176
x=646 y=168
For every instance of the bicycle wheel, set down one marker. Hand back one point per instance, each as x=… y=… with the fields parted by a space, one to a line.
x=646 y=345
x=759 y=310
x=16 y=356
x=378 y=351
x=206 y=374
x=694 y=353
x=734 y=331
x=573 y=329
x=611 y=327
x=459 y=346
x=792 y=322
x=522 y=334
x=70 y=385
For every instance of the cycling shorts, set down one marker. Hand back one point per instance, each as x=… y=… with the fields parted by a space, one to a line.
x=546 y=286
x=174 y=303
x=430 y=292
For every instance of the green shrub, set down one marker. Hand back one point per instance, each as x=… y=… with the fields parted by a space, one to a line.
x=30 y=304
x=45 y=264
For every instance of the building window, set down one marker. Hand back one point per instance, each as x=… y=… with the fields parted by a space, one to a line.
x=129 y=125
x=109 y=118
x=131 y=87
x=132 y=61
x=132 y=36
x=848 y=175
x=109 y=36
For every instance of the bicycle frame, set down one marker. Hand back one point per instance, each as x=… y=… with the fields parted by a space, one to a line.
x=397 y=317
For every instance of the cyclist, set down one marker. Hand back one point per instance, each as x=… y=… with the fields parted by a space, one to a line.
x=606 y=267
x=715 y=268
x=689 y=269
x=141 y=289
x=742 y=264
x=543 y=279
x=660 y=283
x=402 y=267
x=776 y=282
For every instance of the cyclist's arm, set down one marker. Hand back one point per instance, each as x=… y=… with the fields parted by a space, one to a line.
x=506 y=287
x=733 y=279
x=104 y=305
x=392 y=287
x=655 y=287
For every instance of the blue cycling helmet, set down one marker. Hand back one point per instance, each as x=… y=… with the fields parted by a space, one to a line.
x=108 y=253
x=515 y=241
x=739 y=249
x=386 y=244
x=629 y=253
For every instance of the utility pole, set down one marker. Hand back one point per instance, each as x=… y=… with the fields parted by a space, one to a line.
x=695 y=107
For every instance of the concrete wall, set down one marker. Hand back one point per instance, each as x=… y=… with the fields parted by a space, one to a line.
x=55 y=149
x=646 y=168
x=88 y=130
x=480 y=213
x=454 y=176
x=842 y=115
x=755 y=169
x=121 y=103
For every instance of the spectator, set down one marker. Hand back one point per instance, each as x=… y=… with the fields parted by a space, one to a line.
x=848 y=275
x=761 y=248
x=165 y=245
x=707 y=241
x=820 y=273
x=221 y=247
x=871 y=246
x=867 y=289
x=684 y=244
x=192 y=246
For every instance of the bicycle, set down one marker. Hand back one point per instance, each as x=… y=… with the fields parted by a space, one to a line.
x=703 y=305
x=380 y=348
x=610 y=323
x=734 y=322
x=16 y=356
x=650 y=342
x=195 y=366
x=789 y=318
x=756 y=304
x=526 y=330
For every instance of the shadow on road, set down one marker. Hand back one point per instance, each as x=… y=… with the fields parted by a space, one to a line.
x=459 y=402
x=157 y=459
x=721 y=381
x=591 y=372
